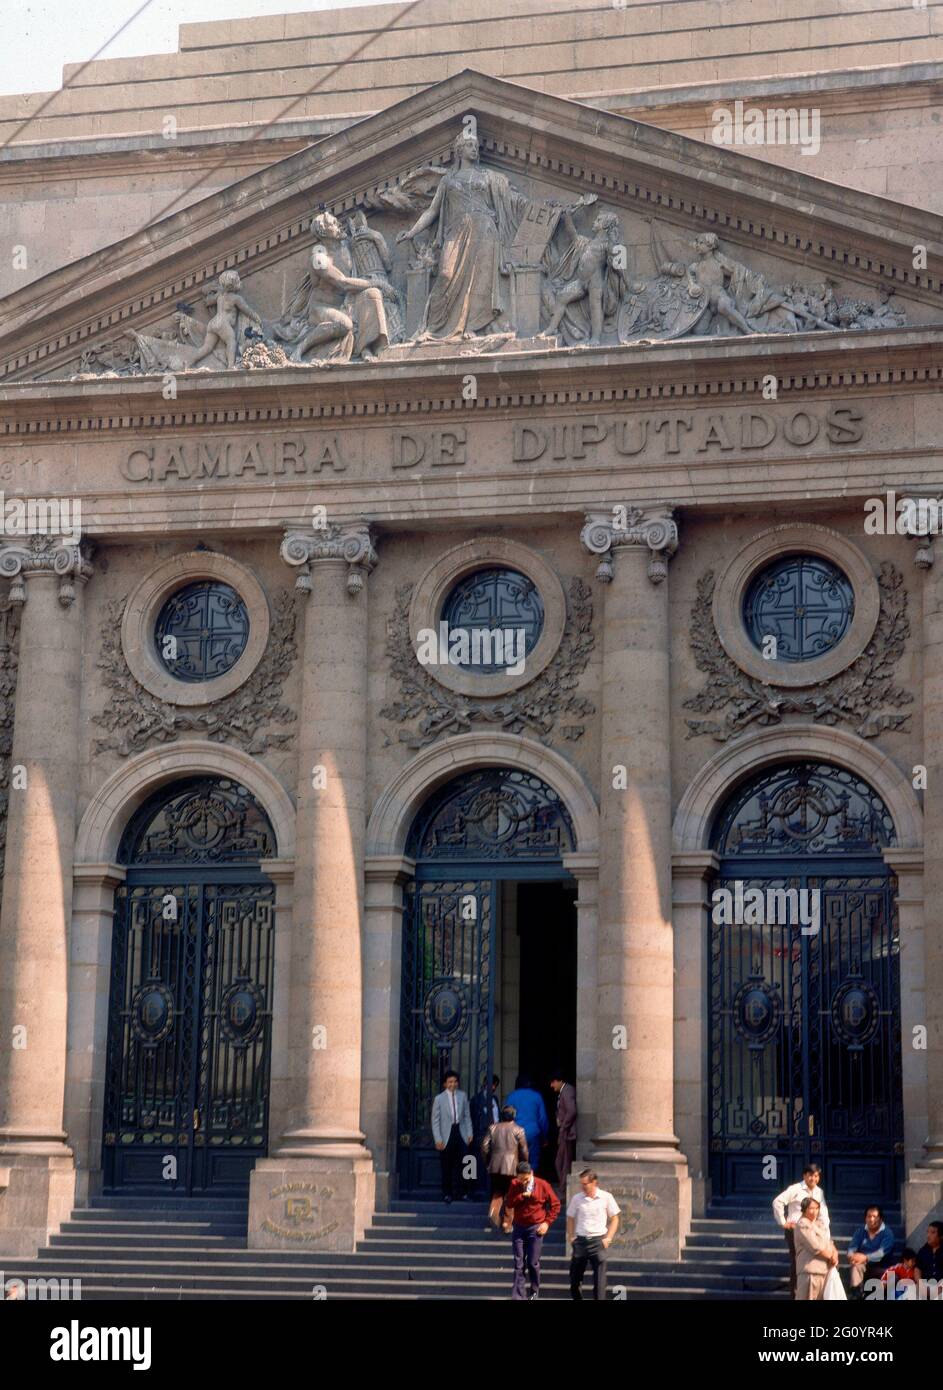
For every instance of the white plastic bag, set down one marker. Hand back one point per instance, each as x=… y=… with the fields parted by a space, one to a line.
x=834 y=1291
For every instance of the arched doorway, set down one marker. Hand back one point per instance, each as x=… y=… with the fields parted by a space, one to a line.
x=804 y=1008
x=186 y=1091
x=488 y=976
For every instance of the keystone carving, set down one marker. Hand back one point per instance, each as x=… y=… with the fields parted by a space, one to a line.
x=604 y=532
x=351 y=543
x=863 y=696
x=135 y=719
x=536 y=707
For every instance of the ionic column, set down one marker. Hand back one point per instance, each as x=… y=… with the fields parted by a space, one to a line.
x=48 y=578
x=923 y=1195
x=323 y=1144
x=634 y=1094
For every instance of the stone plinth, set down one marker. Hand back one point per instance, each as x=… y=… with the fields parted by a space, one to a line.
x=655 y=1207
x=310 y=1203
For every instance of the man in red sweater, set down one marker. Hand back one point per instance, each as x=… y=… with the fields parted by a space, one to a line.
x=531 y=1207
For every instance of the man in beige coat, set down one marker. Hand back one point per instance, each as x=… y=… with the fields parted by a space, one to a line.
x=503 y=1148
x=815 y=1253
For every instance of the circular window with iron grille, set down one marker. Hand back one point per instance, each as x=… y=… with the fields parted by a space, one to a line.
x=202 y=631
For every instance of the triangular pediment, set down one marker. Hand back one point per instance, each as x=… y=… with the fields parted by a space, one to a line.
x=567 y=202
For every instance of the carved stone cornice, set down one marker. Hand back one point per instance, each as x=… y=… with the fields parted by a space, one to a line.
x=604 y=532
x=25 y=557
x=351 y=543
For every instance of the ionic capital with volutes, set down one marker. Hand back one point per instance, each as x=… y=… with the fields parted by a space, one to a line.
x=604 y=532
x=351 y=543
x=22 y=558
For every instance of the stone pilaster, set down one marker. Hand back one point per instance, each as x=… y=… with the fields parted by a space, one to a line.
x=316 y=1191
x=923 y=1191
x=635 y=1149
x=37 y=1173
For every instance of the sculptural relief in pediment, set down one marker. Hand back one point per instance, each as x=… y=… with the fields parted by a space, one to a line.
x=463 y=256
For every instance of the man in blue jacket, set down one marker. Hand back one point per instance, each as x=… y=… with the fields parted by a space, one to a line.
x=531 y=1116
x=871 y=1248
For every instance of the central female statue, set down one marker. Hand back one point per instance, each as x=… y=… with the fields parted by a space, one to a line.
x=476 y=213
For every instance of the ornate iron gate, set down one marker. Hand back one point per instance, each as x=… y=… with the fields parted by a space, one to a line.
x=448 y=1008
x=486 y=826
x=186 y=1105
x=805 y=1027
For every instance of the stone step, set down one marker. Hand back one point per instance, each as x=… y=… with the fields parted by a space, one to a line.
x=262 y=1282
x=131 y=1292
x=72 y=1260
x=172 y=1250
x=232 y=1201
x=90 y=1238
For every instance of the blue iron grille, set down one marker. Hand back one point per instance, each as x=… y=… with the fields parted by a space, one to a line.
x=802 y=809
x=803 y=601
x=492 y=814
x=208 y=628
x=495 y=600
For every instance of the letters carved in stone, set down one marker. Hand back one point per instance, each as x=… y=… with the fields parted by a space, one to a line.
x=535 y=708
x=864 y=695
x=134 y=718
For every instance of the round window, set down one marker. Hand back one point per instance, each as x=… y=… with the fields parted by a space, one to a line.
x=202 y=631
x=798 y=608
x=495 y=618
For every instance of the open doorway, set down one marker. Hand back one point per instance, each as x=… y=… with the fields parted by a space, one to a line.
x=535 y=1018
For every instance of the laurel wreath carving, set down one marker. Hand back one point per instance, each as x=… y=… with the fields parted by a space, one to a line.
x=536 y=707
x=864 y=695
x=134 y=718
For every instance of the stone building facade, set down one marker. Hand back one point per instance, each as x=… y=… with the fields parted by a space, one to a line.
x=488 y=361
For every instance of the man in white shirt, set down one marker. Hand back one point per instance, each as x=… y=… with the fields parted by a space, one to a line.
x=787 y=1209
x=592 y=1219
x=452 y=1132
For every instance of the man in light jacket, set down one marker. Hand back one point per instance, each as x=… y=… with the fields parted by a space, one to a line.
x=815 y=1253
x=452 y=1132
x=786 y=1210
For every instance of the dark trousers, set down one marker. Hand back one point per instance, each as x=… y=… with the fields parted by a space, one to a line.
x=526 y=1245
x=451 y=1158
x=566 y=1152
x=791 y=1243
x=588 y=1250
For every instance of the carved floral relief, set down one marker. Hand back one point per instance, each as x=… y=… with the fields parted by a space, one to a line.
x=134 y=719
x=547 y=703
x=865 y=695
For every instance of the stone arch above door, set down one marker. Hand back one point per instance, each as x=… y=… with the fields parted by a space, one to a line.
x=402 y=798
x=715 y=781
x=116 y=800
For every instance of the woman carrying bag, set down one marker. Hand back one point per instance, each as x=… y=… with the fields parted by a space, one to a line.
x=816 y=1256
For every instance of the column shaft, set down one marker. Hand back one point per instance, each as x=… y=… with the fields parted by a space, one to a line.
x=37 y=887
x=634 y=1091
x=326 y=984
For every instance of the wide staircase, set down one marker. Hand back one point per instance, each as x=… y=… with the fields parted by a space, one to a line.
x=135 y=1248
